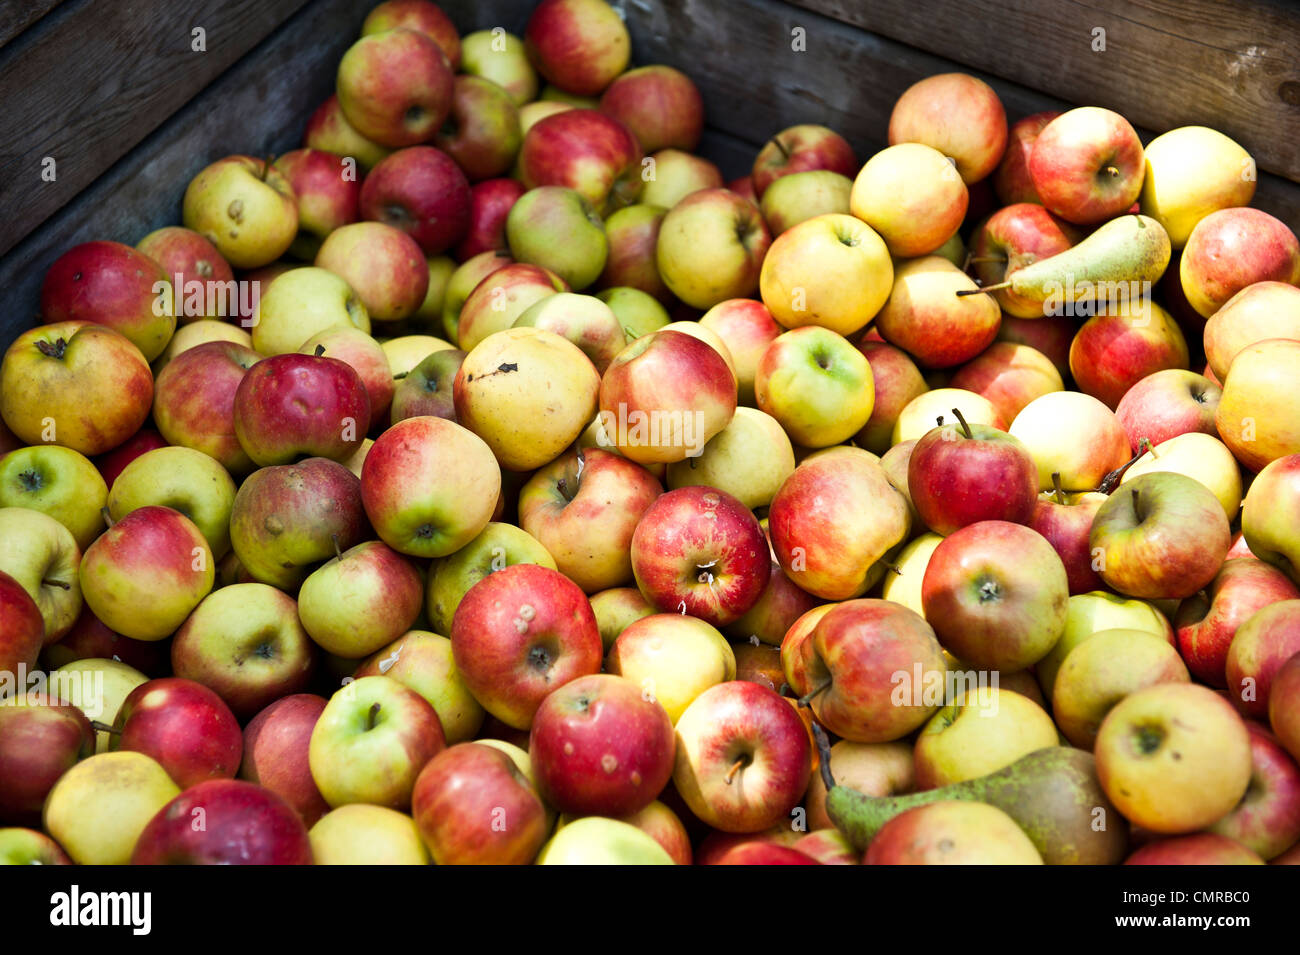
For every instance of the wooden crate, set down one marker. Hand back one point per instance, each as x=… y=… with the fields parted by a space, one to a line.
x=116 y=94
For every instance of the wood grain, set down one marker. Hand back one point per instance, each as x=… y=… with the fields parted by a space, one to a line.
x=86 y=86
x=18 y=15
x=1230 y=64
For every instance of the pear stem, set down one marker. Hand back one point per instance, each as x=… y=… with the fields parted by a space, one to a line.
x=961 y=292
x=964 y=426
x=1057 y=489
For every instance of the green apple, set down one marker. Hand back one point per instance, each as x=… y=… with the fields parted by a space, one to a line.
x=361 y=600
x=988 y=729
x=816 y=385
x=42 y=555
x=595 y=840
x=496 y=547
x=616 y=609
x=301 y=303
x=245 y=207
x=500 y=57
x=360 y=834
x=113 y=682
x=422 y=661
x=463 y=281
x=407 y=351
x=99 y=807
x=20 y=846
x=558 y=229
x=749 y=459
x=804 y=195
x=1091 y=613
x=59 y=482
x=638 y=312
x=185 y=480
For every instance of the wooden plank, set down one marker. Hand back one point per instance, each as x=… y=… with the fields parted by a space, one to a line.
x=17 y=17
x=755 y=83
x=85 y=87
x=260 y=106
x=1230 y=64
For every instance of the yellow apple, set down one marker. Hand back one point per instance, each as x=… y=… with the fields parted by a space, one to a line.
x=1256 y=313
x=1258 y=416
x=112 y=681
x=59 y=482
x=596 y=840
x=43 y=556
x=749 y=459
x=1190 y=172
x=984 y=731
x=301 y=303
x=921 y=413
x=912 y=195
x=1201 y=457
x=185 y=480
x=1073 y=434
x=198 y=333
x=673 y=658
x=903 y=584
x=1091 y=613
x=362 y=834
x=245 y=207
x=407 y=351
x=99 y=807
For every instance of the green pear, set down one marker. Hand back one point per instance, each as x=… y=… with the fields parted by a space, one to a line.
x=1052 y=794
x=1128 y=249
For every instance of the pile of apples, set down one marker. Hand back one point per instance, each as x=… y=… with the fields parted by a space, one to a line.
x=488 y=481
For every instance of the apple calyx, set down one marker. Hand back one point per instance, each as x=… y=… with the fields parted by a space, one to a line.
x=1111 y=480
x=53 y=349
x=1148 y=739
x=1112 y=172
x=30 y=480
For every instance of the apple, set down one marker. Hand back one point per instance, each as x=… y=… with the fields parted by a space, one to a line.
x=490 y=204
x=190 y=262
x=1104 y=669
x=660 y=105
x=427 y=388
x=801 y=196
x=584 y=508
x=99 y=808
x=327 y=191
x=1174 y=757
x=1166 y=404
x=924 y=317
x=289 y=517
x=97 y=687
x=952 y=832
x=875 y=769
x=913 y=196
x=1231 y=249
x=197 y=333
x=616 y=609
x=371 y=742
x=958 y=115
x=276 y=744
x=1268 y=819
x=587 y=151
x=996 y=593
x=1163 y=535
x=753 y=853
x=665 y=396
x=558 y=229
x=500 y=298
x=22 y=628
x=1202 y=848
x=367 y=358
x=759 y=663
x=518 y=634
x=77 y=384
x=474 y=805
x=1012 y=238
x=59 y=482
x=359 y=834
x=1191 y=172
x=28 y=847
x=395 y=87
x=711 y=247
x=1266 y=636
x=1118 y=347
x=40 y=740
x=42 y=556
x=183 y=725
x=638 y=312
x=421 y=15
x=482 y=131
x=429 y=486
x=700 y=551
x=896 y=380
x=423 y=662
x=1268 y=511
x=1011 y=180
x=1073 y=434
x=987 y=729
x=245 y=207
x=1093 y=612
x=110 y=464
x=902 y=584
x=633 y=235
x=1198 y=456
x=871 y=666
x=293 y=405
x=363 y=599
x=827 y=846
x=743 y=757
x=1049 y=334
x=328 y=129
x=532 y=113
x=816 y=385
x=663 y=825
x=834 y=521
x=407 y=351
x=1258 y=312
x=497 y=547
x=1087 y=165
x=584 y=320
x=831 y=270
x=595 y=840
x=383 y=265
x=1283 y=714
x=1255 y=418
x=421 y=191
x=1065 y=520
x=750 y=458
x=802 y=148
x=301 y=303
x=673 y=658
x=579 y=45
x=959 y=474
x=1008 y=374
x=243 y=824
x=500 y=56
x=113 y=285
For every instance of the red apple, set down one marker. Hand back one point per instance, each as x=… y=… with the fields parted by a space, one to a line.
x=600 y=747
x=956 y=114
x=39 y=741
x=698 y=550
x=22 y=627
x=1087 y=165
x=759 y=853
x=587 y=151
x=423 y=192
x=1284 y=705
x=194 y=401
x=633 y=236
x=490 y=203
x=1065 y=520
x=328 y=129
x=661 y=105
x=421 y=15
x=1118 y=347
x=518 y=634
x=184 y=726
x=578 y=45
x=1011 y=180
x=1267 y=820
x=193 y=265
x=243 y=824
x=1202 y=848
x=395 y=87
x=1168 y=403
x=328 y=192
x=381 y=264
x=1051 y=335
x=1262 y=643
x=276 y=742
x=1009 y=375
x=802 y=149
x=482 y=131
x=114 y=462
x=781 y=603
x=1232 y=249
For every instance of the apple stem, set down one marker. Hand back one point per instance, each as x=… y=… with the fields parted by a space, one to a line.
x=56 y=583
x=808 y=697
x=824 y=755
x=1136 y=503
x=104 y=728
x=370 y=717
x=893 y=568
x=320 y=350
x=1112 y=172
x=338 y=554
x=1057 y=489
x=964 y=426
x=962 y=292
x=108 y=518
x=1144 y=445
x=266 y=167
x=776 y=141
x=736 y=767
x=981 y=259
x=1111 y=480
